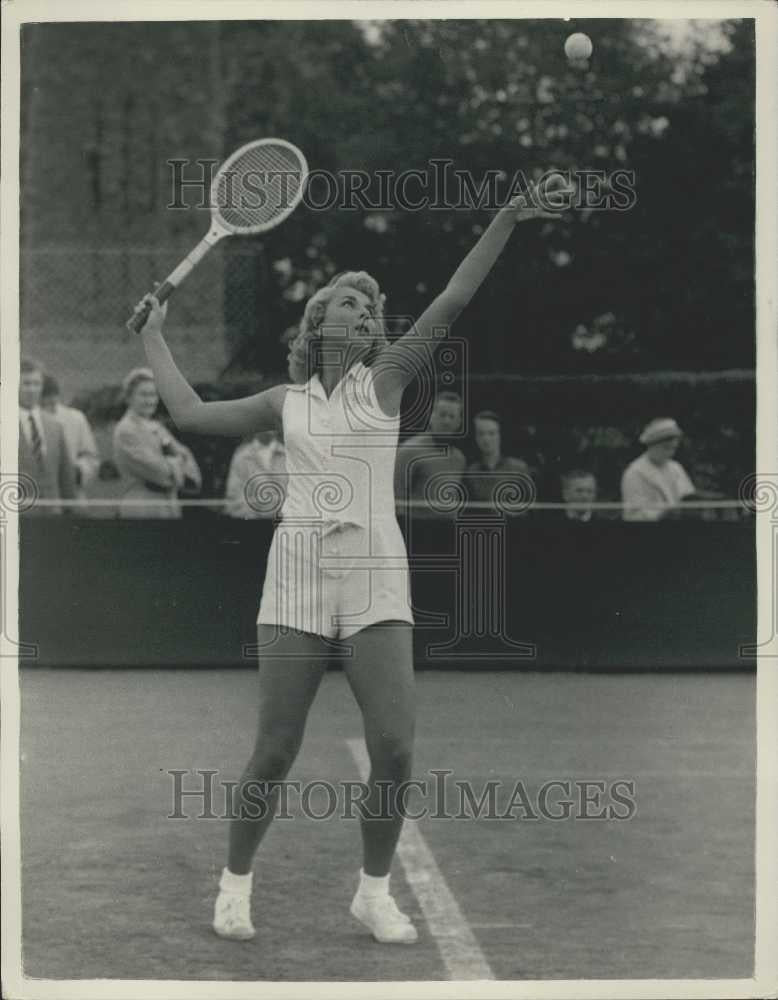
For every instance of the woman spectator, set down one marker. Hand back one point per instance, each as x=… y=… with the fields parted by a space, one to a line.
x=654 y=485
x=154 y=464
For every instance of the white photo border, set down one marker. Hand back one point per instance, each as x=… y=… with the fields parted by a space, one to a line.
x=765 y=980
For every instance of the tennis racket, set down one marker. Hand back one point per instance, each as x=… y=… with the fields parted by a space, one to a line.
x=253 y=191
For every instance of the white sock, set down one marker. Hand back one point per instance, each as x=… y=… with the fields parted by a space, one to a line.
x=239 y=884
x=373 y=885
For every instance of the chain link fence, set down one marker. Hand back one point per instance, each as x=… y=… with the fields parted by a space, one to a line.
x=75 y=302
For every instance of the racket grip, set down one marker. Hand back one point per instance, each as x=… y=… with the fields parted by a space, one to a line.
x=137 y=321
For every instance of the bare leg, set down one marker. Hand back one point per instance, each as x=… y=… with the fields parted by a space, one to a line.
x=287 y=687
x=380 y=673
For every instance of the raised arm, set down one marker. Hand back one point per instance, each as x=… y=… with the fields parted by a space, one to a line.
x=402 y=360
x=232 y=418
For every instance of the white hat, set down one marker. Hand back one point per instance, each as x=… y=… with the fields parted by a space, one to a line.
x=660 y=430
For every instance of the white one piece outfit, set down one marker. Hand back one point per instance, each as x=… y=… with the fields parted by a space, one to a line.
x=337 y=561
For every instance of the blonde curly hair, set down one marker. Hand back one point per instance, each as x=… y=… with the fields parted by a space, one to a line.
x=301 y=366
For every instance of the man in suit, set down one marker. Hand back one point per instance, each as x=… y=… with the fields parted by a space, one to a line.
x=493 y=473
x=43 y=454
x=428 y=463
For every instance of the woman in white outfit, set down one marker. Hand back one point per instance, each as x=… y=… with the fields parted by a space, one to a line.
x=337 y=569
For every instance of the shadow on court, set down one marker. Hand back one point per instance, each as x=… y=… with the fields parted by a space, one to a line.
x=112 y=888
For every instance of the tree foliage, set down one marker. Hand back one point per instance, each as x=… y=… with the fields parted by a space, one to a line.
x=668 y=283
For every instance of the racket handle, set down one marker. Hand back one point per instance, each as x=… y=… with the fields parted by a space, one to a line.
x=137 y=321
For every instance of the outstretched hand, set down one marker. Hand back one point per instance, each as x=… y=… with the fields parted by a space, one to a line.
x=546 y=199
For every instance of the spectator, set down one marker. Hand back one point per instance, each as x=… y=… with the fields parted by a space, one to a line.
x=155 y=465
x=428 y=463
x=256 y=482
x=654 y=485
x=579 y=491
x=493 y=471
x=79 y=438
x=43 y=453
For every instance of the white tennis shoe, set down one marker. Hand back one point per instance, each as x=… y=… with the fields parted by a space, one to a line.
x=384 y=920
x=232 y=916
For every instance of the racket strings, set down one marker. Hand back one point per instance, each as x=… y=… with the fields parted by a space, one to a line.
x=258 y=186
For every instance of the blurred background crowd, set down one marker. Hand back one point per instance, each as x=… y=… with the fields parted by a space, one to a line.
x=135 y=466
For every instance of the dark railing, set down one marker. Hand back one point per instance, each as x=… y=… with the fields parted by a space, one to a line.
x=534 y=592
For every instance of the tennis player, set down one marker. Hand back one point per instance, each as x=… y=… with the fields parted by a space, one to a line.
x=337 y=571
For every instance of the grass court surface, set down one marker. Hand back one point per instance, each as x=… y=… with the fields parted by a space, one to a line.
x=114 y=889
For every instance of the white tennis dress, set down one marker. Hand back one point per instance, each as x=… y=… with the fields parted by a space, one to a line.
x=338 y=560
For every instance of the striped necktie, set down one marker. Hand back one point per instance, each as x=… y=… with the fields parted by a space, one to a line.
x=37 y=444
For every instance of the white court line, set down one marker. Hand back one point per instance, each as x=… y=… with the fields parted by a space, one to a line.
x=456 y=942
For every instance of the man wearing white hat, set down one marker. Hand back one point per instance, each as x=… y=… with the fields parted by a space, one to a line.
x=655 y=484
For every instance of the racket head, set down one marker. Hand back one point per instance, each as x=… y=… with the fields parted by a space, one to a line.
x=257 y=187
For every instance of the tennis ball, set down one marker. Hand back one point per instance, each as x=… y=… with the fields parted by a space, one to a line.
x=578 y=46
